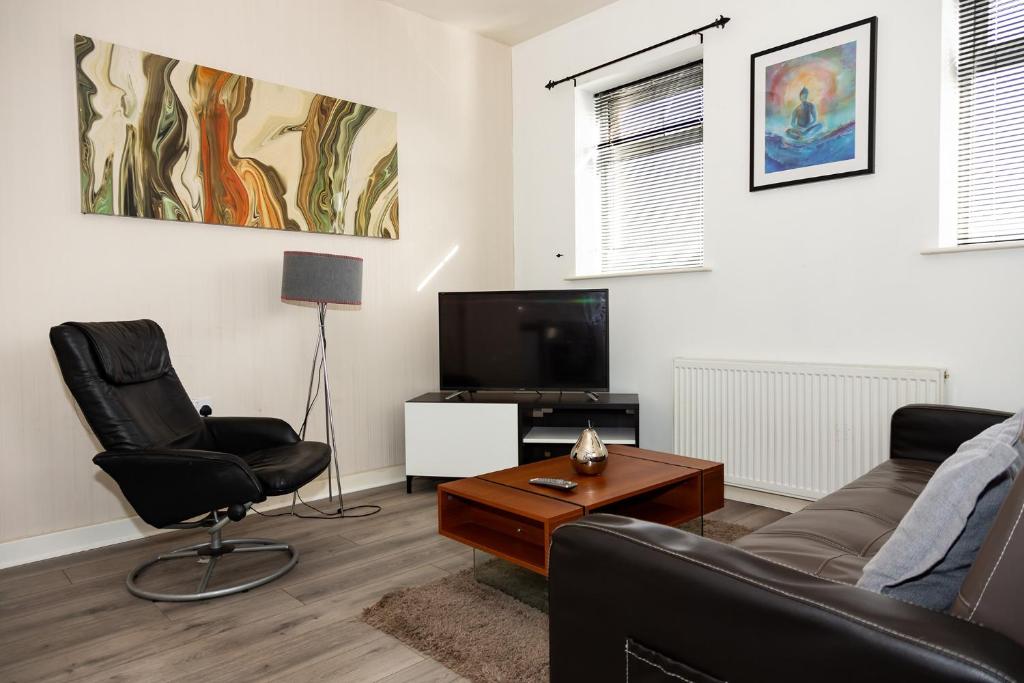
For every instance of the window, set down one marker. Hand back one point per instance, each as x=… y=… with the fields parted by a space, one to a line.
x=650 y=172
x=990 y=154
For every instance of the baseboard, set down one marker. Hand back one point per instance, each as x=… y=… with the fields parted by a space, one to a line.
x=768 y=500
x=35 y=548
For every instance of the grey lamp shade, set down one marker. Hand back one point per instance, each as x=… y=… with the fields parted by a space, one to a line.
x=322 y=278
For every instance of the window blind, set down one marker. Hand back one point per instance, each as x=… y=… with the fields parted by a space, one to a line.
x=990 y=162
x=650 y=165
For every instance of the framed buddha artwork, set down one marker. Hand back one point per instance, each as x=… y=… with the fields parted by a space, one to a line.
x=812 y=108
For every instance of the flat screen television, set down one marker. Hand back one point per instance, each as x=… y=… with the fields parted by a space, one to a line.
x=553 y=340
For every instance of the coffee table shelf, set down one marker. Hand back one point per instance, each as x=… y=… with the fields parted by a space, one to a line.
x=524 y=553
x=672 y=505
x=511 y=524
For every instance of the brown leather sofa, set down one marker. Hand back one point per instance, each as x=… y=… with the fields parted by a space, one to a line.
x=638 y=602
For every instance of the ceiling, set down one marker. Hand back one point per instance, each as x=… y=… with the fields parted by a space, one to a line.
x=506 y=21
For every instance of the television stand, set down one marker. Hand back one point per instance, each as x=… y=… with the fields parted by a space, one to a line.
x=497 y=430
x=458 y=393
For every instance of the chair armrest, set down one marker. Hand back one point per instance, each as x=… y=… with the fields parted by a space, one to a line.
x=723 y=614
x=934 y=432
x=167 y=486
x=243 y=435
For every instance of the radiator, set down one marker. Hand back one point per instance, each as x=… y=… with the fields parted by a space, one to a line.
x=796 y=429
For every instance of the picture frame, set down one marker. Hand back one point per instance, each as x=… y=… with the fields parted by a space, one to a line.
x=812 y=107
x=166 y=139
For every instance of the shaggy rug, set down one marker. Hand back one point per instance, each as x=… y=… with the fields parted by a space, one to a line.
x=483 y=633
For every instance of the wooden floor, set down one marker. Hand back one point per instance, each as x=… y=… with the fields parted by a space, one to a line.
x=70 y=618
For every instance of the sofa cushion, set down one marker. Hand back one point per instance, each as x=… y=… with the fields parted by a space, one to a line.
x=991 y=594
x=835 y=536
x=931 y=551
x=936 y=588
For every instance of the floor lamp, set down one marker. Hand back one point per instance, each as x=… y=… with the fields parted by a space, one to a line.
x=323 y=279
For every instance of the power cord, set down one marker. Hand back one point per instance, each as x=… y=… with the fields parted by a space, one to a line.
x=322 y=514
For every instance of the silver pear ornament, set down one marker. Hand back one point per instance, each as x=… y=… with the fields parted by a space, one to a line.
x=589 y=455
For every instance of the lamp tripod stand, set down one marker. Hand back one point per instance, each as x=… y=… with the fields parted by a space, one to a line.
x=323 y=279
x=321 y=376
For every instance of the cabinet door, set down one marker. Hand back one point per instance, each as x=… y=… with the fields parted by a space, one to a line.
x=460 y=440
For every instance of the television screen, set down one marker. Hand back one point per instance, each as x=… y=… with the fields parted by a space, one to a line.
x=543 y=340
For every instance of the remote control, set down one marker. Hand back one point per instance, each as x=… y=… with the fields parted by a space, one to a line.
x=563 y=484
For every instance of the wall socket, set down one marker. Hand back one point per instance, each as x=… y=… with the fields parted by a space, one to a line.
x=203 y=402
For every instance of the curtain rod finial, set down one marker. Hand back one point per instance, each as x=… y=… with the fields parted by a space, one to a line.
x=723 y=20
x=549 y=85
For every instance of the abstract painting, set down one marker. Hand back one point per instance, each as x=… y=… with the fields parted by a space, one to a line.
x=161 y=138
x=812 y=108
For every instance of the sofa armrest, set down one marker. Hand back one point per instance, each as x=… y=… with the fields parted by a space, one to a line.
x=243 y=435
x=722 y=614
x=934 y=432
x=167 y=486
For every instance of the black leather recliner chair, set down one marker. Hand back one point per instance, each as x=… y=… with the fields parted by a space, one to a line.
x=171 y=464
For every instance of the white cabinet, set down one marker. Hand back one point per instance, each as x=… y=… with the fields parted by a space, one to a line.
x=472 y=434
x=460 y=439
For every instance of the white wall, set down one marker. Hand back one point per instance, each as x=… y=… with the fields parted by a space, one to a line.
x=216 y=289
x=826 y=272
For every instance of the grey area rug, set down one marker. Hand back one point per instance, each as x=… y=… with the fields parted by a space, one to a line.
x=481 y=632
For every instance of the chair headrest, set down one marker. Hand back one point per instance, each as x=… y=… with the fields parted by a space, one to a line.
x=128 y=352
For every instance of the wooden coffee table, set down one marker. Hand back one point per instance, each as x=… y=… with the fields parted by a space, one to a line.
x=503 y=514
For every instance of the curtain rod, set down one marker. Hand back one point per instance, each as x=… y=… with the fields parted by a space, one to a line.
x=720 y=22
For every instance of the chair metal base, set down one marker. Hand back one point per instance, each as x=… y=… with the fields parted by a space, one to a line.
x=213 y=551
